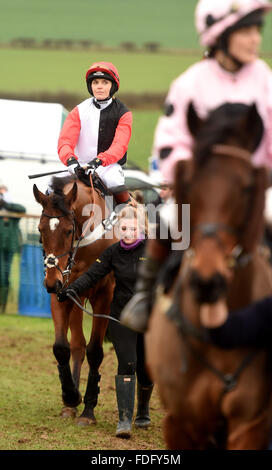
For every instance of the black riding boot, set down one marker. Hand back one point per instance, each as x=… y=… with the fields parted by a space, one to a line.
x=136 y=313
x=143 y=395
x=125 y=393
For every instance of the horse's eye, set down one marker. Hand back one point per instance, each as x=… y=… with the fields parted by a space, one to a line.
x=69 y=232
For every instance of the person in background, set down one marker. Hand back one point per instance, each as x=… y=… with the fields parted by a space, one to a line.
x=9 y=240
x=98 y=130
x=231 y=72
x=123 y=259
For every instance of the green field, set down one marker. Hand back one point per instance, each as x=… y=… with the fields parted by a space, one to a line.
x=108 y=22
x=170 y=24
x=54 y=71
x=26 y=71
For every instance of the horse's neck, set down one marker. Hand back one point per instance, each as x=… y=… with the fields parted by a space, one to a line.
x=89 y=205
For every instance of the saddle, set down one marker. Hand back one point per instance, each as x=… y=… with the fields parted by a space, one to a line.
x=97 y=183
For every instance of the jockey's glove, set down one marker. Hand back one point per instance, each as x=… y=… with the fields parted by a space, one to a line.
x=62 y=295
x=95 y=163
x=72 y=165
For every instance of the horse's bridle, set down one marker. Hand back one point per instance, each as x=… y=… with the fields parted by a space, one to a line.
x=238 y=257
x=52 y=261
x=172 y=310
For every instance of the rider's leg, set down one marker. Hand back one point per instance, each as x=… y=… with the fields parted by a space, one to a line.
x=121 y=196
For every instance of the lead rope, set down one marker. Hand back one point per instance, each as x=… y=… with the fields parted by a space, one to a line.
x=90 y=313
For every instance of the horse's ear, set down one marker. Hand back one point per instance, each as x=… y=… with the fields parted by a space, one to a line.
x=39 y=196
x=252 y=123
x=193 y=120
x=255 y=124
x=255 y=223
x=182 y=180
x=71 y=196
x=182 y=184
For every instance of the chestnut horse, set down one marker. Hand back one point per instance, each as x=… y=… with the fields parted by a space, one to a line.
x=62 y=223
x=215 y=398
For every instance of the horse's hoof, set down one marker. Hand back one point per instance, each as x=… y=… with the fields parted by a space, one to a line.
x=68 y=412
x=72 y=403
x=83 y=421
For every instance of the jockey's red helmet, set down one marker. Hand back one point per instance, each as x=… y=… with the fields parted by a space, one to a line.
x=214 y=17
x=103 y=70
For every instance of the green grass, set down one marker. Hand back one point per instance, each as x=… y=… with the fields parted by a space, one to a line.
x=55 y=71
x=30 y=401
x=171 y=24
x=168 y=23
x=144 y=123
x=30 y=71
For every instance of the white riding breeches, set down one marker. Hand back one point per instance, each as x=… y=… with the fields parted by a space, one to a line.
x=111 y=175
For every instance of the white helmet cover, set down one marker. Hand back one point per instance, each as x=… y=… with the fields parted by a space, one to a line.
x=224 y=13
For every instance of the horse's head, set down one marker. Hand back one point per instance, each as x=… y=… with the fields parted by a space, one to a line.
x=225 y=193
x=57 y=229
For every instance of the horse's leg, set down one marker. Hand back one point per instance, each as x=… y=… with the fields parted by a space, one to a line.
x=175 y=435
x=61 y=348
x=253 y=435
x=94 y=352
x=77 y=343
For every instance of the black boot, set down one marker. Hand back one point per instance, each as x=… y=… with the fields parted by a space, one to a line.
x=125 y=393
x=143 y=395
x=136 y=313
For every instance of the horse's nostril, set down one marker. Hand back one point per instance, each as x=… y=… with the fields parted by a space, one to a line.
x=208 y=290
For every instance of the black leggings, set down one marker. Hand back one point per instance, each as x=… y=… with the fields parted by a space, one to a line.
x=129 y=348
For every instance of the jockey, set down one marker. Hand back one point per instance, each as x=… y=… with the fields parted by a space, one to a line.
x=231 y=72
x=97 y=131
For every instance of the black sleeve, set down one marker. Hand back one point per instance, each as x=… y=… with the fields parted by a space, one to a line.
x=99 y=269
x=250 y=326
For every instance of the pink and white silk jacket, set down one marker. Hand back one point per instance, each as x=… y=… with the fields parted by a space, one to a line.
x=208 y=86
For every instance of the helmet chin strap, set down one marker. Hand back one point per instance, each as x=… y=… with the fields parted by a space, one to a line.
x=224 y=47
x=236 y=61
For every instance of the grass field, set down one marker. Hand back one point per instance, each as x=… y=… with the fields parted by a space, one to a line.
x=55 y=71
x=32 y=71
x=170 y=24
x=30 y=401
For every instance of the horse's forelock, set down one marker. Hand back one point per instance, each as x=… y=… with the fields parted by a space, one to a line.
x=57 y=197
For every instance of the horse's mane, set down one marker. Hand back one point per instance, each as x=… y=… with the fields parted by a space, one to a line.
x=58 y=197
x=220 y=125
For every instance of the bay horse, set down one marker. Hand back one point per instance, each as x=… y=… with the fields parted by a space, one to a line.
x=65 y=212
x=215 y=398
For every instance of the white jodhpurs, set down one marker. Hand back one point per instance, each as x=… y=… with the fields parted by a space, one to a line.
x=111 y=175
